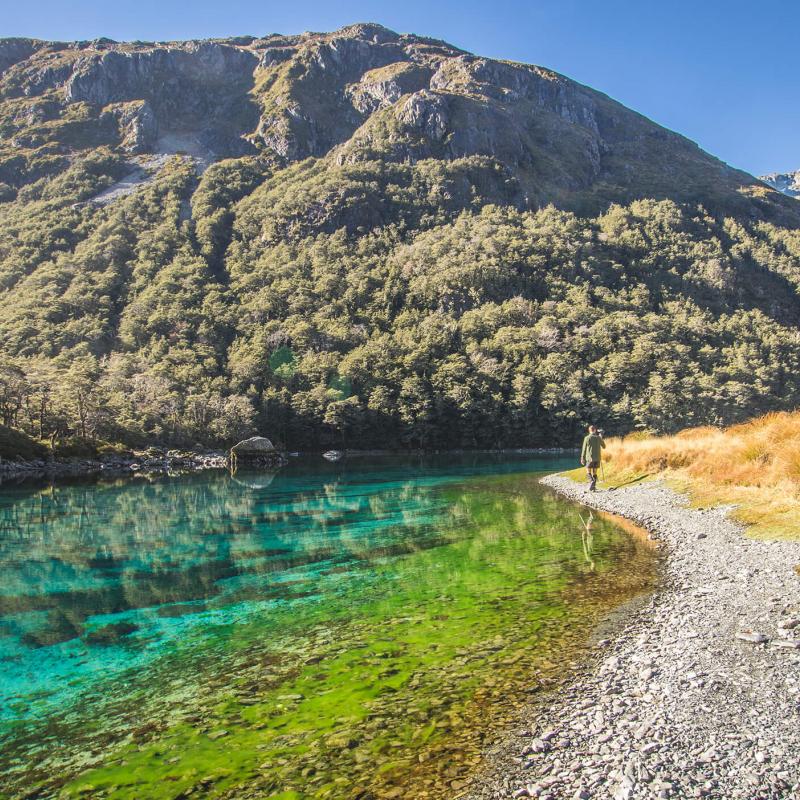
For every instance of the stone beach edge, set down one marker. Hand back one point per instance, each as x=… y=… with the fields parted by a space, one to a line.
x=696 y=692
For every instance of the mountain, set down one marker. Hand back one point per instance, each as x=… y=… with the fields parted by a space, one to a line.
x=370 y=238
x=786 y=182
x=359 y=94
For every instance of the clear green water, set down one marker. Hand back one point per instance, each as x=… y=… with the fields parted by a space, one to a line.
x=349 y=630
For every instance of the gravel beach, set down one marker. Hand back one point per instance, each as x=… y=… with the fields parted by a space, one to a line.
x=697 y=694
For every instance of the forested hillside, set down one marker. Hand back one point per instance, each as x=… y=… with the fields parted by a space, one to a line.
x=367 y=239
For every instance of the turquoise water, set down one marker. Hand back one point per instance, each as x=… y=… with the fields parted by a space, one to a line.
x=318 y=632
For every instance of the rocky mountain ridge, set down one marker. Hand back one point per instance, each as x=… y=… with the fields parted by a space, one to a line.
x=786 y=182
x=359 y=94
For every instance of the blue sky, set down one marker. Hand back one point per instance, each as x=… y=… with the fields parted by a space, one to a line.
x=723 y=72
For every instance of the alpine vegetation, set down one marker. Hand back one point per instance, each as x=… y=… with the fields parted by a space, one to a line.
x=370 y=239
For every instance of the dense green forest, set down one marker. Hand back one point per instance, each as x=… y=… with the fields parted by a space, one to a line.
x=183 y=313
x=377 y=293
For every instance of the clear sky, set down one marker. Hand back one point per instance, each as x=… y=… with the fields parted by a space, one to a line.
x=725 y=73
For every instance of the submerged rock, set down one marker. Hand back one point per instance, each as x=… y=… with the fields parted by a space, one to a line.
x=110 y=634
x=58 y=628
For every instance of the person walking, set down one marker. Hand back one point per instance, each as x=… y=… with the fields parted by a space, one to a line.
x=591 y=453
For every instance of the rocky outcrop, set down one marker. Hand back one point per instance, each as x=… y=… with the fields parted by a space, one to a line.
x=427 y=112
x=137 y=123
x=197 y=88
x=308 y=109
x=786 y=182
x=256 y=451
x=32 y=78
x=512 y=83
x=382 y=87
x=185 y=80
x=360 y=93
x=14 y=50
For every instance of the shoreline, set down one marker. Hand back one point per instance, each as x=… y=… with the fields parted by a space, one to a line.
x=114 y=466
x=169 y=461
x=673 y=703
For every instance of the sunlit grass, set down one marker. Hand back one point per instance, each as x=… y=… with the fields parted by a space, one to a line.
x=754 y=466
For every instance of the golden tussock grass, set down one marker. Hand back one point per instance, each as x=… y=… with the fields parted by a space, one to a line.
x=754 y=466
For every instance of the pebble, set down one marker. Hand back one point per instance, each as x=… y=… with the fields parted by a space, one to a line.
x=751 y=636
x=793 y=644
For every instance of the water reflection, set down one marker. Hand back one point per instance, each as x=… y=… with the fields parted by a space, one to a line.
x=587 y=538
x=374 y=604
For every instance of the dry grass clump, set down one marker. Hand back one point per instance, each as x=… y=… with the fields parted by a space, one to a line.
x=755 y=466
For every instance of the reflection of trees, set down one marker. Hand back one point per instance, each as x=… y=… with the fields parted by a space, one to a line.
x=96 y=548
x=483 y=567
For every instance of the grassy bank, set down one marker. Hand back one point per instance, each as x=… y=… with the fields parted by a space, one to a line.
x=754 y=466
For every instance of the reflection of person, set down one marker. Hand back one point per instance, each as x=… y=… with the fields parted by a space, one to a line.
x=587 y=539
x=593 y=445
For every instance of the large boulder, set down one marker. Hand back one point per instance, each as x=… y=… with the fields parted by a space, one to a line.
x=254 y=445
x=256 y=450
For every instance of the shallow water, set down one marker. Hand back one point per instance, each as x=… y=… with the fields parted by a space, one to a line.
x=348 y=630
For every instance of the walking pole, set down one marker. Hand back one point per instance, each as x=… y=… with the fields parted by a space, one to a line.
x=603 y=471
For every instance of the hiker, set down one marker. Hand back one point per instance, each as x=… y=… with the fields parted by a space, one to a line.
x=593 y=444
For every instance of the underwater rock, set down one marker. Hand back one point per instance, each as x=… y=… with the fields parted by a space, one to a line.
x=58 y=628
x=180 y=609
x=110 y=634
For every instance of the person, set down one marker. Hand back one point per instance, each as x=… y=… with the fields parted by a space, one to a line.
x=593 y=445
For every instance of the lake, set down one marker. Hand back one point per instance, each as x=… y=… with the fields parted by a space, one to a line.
x=350 y=630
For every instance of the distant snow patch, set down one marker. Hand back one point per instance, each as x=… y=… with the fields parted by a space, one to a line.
x=785 y=182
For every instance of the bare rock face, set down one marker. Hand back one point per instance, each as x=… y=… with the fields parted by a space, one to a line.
x=199 y=89
x=35 y=77
x=203 y=70
x=313 y=110
x=516 y=83
x=14 y=50
x=137 y=123
x=427 y=112
x=383 y=87
x=786 y=182
x=358 y=94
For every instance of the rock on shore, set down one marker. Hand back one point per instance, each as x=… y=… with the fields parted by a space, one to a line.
x=697 y=696
x=257 y=451
x=152 y=461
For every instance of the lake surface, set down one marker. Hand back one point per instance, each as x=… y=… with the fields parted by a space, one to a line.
x=351 y=630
